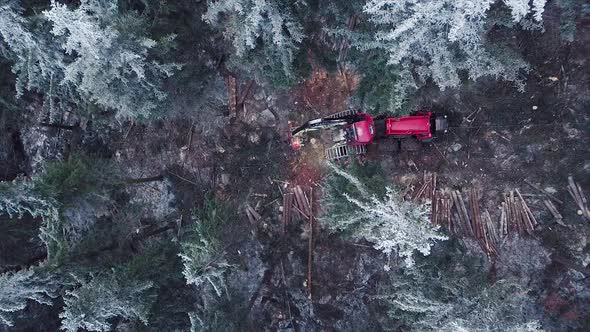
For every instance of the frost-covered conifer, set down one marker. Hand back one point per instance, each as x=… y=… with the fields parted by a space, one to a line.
x=392 y=224
x=204 y=265
x=450 y=291
x=35 y=60
x=38 y=63
x=253 y=24
x=440 y=39
x=96 y=302
x=109 y=67
x=445 y=307
x=19 y=198
x=18 y=288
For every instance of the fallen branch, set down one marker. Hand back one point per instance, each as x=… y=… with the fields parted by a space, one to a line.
x=287 y=206
x=253 y=216
x=245 y=94
x=534 y=186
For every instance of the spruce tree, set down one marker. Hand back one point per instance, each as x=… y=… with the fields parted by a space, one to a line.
x=392 y=224
x=16 y=288
x=105 y=296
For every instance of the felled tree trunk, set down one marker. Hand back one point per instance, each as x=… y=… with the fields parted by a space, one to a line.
x=145 y=180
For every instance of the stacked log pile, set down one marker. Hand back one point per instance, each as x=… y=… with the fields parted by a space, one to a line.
x=460 y=212
x=516 y=215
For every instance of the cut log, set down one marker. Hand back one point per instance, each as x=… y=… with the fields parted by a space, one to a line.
x=556 y=215
x=460 y=204
x=421 y=191
x=310 y=245
x=232 y=94
x=287 y=210
x=302 y=201
x=577 y=194
x=476 y=223
x=433 y=208
x=245 y=93
x=253 y=216
x=503 y=226
x=530 y=216
x=433 y=192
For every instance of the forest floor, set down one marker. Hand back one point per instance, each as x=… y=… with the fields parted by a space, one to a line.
x=498 y=137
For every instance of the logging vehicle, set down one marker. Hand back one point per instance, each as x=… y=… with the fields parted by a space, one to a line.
x=352 y=130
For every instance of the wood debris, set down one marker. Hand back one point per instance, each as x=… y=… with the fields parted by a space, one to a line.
x=245 y=94
x=232 y=93
x=578 y=195
x=287 y=210
x=427 y=190
x=516 y=215
x=537 y=188
x=253 y=216
x=310 y=245
x=461 y=213
x=553 y=209
x=296 y=199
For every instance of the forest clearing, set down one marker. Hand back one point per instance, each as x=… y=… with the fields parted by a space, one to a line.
x=171 y=165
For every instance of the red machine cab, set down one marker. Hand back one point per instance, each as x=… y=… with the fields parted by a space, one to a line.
x=362 y=132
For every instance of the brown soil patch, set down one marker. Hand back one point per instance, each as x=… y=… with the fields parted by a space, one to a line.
x=325 y=93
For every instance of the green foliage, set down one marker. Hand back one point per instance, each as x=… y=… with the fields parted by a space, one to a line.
x=159 y=263
x=74 y=177
x=204 y=261
x=265 y=36
x=225 y=315
x=60 y=196
x=369 y=174
x=385 y=91
x=111 y=65
x=390 y=223
x=571 y=10
x=449 y=291
x=211 y=217
x=20 y=198
x=441 y=41
x=36 y=61
x=105 y=296
x=94 y=54
x=19 y=287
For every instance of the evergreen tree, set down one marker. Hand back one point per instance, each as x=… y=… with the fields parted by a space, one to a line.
x=111 y=65
x=19 y=287
x=38 y=62
x=266 y=31
x=449 y=291
x=204 y=264
x=20 y=198
x=390 y=223
x=439 y=39
x=66 y=196
x=94 y=304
